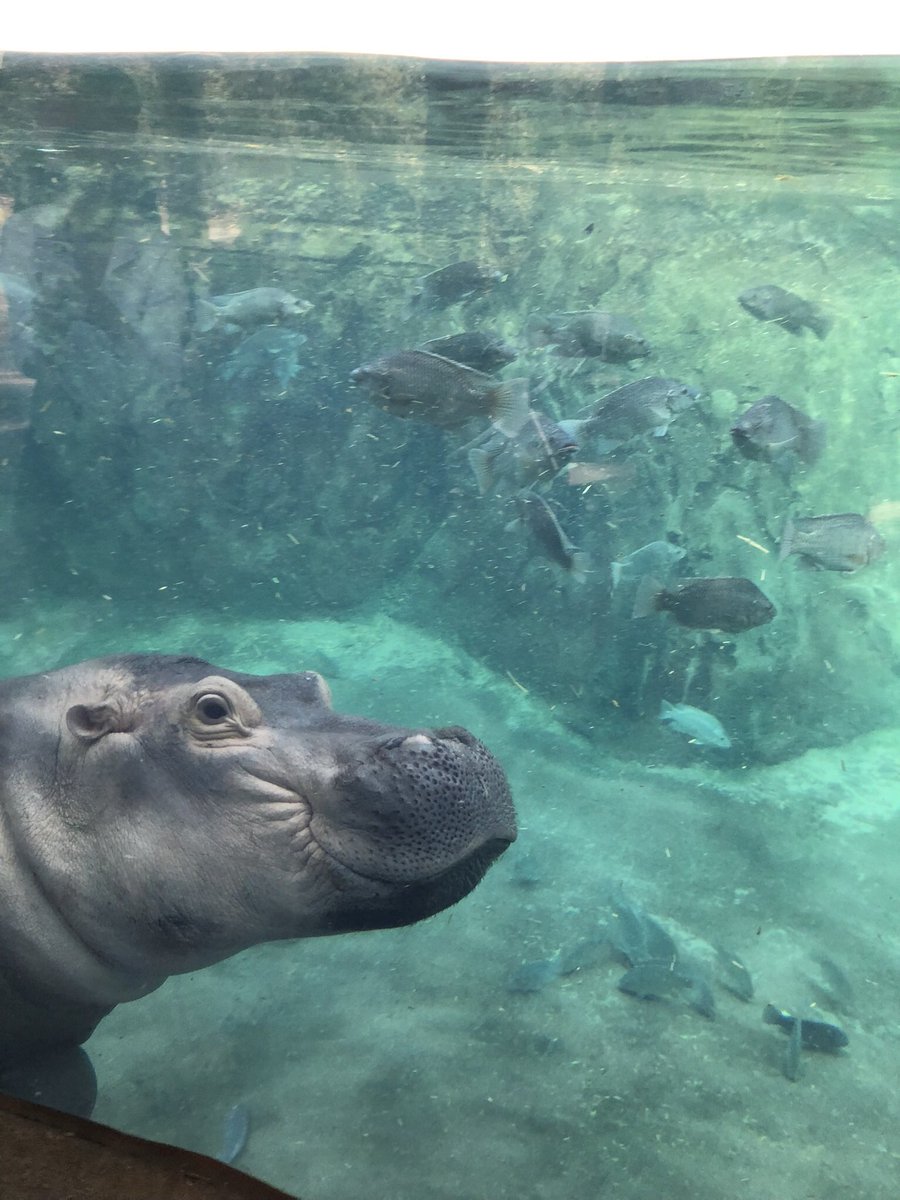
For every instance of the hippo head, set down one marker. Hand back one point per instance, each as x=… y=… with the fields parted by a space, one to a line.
x=164 y=813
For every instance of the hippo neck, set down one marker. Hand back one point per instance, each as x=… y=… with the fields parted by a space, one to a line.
x=46 y=967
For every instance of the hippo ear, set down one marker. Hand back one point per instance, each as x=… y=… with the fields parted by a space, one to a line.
x=89 y=722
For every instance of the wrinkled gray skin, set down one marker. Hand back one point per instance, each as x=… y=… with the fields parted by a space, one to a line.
x=158 y=814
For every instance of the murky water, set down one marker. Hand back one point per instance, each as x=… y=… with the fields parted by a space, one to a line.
x=188 y=472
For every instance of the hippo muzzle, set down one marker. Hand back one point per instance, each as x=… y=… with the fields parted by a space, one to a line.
x=419 y=816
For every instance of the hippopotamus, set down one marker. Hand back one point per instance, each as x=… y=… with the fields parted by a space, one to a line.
x=158 y=814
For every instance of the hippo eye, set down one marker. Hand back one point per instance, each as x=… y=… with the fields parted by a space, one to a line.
x=212 y=709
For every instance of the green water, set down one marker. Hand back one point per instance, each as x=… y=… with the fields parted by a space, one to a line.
x=170 y=489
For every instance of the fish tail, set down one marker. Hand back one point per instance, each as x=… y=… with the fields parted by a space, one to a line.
x=510 y=406
x=580 y=566
x=819 y=322
x=812 y=442
x=646 y=600
x=787 y=540
x=616 y=572
x=206 y=316
x=481 y=462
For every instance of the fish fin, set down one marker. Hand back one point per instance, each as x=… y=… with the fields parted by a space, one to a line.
x=580 y=566
x=514 y=526
x=206 y=316
x=787 y=540
x=481 y=462
x=819 y=322
x=510 y=406
x=772 y=1015
x=646 y=600
x=661 y=430
x=615 y=569
x=812 y=441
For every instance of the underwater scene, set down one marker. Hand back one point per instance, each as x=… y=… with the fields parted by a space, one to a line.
x=558 y=403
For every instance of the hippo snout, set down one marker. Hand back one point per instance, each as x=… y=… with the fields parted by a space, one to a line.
x=424 y=812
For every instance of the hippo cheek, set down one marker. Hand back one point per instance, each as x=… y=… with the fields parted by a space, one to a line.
x=410 y=825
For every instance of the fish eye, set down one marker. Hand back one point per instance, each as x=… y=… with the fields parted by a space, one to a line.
x=212 y=708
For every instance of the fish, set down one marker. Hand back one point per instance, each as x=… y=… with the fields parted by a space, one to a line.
x=536 y=515
x=731 y=604
x=235 y=1133
x=454 y=283
x=814 y=1035
x=635 y=936
x=777 y=306
x=834 y=542
x=269 y=351
x=591 y=333
x=538 y=451
x=791 y=1064
x=700 y=727
x=643 y=406
x=480 y=351
x=834 y=986
x=733 y=974
x=772 y=428
x=418 y=385
x=242 y=310
x=534 y=976
x=658 y=980
x=589 y=952
x=656 y=558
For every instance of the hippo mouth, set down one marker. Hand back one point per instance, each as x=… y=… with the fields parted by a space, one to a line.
x=372 y=903
x=410 y=825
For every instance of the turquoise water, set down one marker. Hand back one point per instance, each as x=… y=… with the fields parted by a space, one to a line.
x=228 y=493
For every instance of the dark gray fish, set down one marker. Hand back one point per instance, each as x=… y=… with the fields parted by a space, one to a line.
x=834 y=986
x=529 y=869
x=814 y=1035
x=241 y=310
x=644 y=406
x=589 y=952
x=774 y=304
x=660 y=980
x=835 y=542
x=480 y=351
x=591 y=334
x=733 y=974
x=536 y=515
x=539 y=451
x=534 y=976
x=636 y=936
x=418 y=385
x=235 y=1133
x=771 y=429
x=459 y=281
x=732 y=604
x=271 y=351
x=791 y=1064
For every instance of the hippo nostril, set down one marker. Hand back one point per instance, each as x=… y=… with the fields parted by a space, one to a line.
x=417 y=741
